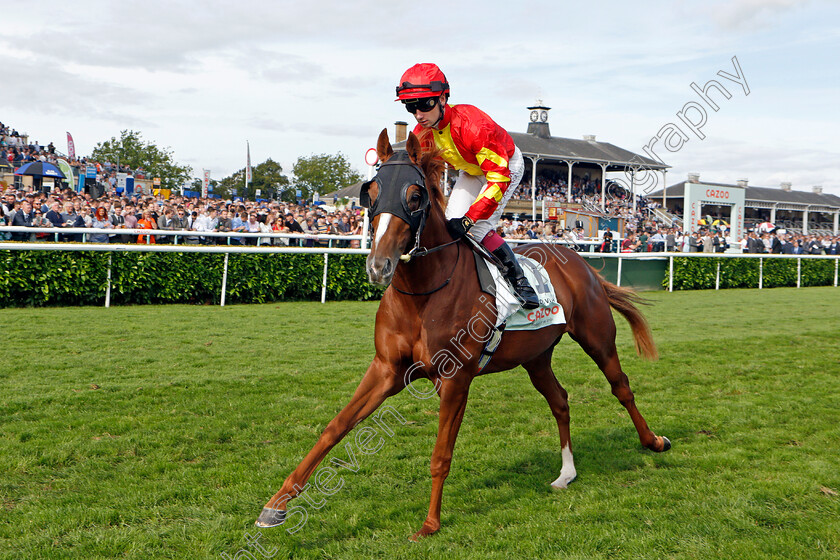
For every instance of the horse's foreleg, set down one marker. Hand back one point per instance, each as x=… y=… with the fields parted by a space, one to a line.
x=453 y=402
x=379 y=382
x=544 y=380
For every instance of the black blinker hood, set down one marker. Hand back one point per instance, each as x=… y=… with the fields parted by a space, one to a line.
x=394 y=177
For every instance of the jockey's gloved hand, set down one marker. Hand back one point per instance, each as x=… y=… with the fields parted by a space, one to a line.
x=458 y=227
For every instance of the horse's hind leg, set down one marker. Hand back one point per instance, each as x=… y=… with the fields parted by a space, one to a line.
x=599 y=343
x=546 y=383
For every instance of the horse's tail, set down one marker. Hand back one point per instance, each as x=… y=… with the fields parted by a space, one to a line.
x=624 y=301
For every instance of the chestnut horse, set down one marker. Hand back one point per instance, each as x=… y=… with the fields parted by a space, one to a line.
x=426 y=309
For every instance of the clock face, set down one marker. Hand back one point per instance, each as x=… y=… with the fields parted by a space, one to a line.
x=544 y=116
x=534 y=116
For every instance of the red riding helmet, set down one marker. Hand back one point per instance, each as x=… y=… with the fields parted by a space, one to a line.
x=422 y=80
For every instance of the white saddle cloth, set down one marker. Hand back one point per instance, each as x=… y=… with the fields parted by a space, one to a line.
x=511 y=312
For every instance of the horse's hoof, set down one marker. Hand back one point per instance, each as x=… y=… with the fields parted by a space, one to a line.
x=563 y=481
x=271 y=517
x=666 y=444
x=425 y=531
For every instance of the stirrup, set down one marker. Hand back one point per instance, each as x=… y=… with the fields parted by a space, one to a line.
x=525 y=293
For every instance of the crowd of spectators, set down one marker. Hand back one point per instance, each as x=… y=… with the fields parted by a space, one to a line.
x=780 y=241
x=647 y=238
x=618 y=201
x=25 y=207
x=190 y=217
x=650 y=237
x=15 y=150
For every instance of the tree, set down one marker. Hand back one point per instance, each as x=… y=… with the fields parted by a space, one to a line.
x=267 y=177
x=323 y=174
x=132 y=151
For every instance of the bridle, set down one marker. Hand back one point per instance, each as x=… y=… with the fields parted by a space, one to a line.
x=399 y=171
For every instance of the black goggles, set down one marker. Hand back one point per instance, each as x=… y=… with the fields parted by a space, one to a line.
x=425 y=104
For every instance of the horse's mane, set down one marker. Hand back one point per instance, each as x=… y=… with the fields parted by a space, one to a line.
x=432 y=165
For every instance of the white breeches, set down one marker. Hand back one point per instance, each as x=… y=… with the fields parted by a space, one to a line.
x=468 y=188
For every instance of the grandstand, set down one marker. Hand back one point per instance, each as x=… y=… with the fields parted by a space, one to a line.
x=587 y=159
x=564 y=170
x=800 y=212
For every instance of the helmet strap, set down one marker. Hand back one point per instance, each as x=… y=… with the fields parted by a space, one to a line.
x=442 y=109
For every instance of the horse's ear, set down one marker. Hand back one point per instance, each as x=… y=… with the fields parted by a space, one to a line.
x=412 y=146
x=383 y=146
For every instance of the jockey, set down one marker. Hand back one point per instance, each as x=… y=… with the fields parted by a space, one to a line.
x=490 y=165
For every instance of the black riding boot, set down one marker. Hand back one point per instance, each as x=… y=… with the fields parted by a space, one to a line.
x=513 y=274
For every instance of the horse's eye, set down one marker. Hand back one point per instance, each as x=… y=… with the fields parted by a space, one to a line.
x=415 y=197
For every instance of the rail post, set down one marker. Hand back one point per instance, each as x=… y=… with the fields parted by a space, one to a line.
x=671 y=274
x=717 y=276
x=618 y=278
x=108 y=284
x=760 y=273
x=365 y=229
x=324 y=281
x=798 y=272
x=224 y=280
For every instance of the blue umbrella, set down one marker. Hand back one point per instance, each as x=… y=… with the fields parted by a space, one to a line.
x=40 y=169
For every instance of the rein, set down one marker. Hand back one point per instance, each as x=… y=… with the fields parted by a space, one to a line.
x=418 y=251
x=446 y=282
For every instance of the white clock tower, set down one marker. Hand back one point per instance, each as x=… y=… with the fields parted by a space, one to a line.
x=539 y=120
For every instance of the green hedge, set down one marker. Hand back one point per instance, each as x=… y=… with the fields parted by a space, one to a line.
x=699 y=273
x=64 y=278
x=44 y=278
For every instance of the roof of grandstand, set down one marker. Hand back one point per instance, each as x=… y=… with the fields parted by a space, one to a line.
x=347 y=192
x=538 y=142
x=586 y=150
x=762 y=194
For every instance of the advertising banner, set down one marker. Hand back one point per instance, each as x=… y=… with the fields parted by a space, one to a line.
x=71 y=147
x=248 y=176
x=67 y=170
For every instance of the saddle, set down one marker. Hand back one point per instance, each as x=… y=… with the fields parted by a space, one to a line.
x=510 y=315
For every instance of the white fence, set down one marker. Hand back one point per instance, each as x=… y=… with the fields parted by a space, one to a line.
x=761 y=258
x=149 y=247
x=327 y=251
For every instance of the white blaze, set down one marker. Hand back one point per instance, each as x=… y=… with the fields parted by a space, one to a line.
x=382 y=226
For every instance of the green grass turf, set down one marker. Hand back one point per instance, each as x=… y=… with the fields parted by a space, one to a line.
x=159 y=432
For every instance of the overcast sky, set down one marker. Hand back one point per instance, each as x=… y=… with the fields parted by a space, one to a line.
x=303 y=78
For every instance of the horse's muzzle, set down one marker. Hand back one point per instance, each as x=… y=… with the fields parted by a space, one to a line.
x=380 y=270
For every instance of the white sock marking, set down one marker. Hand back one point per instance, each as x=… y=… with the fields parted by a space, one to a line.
x=567 y=472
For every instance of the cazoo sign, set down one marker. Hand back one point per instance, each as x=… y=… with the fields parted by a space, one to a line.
x=717 y=194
